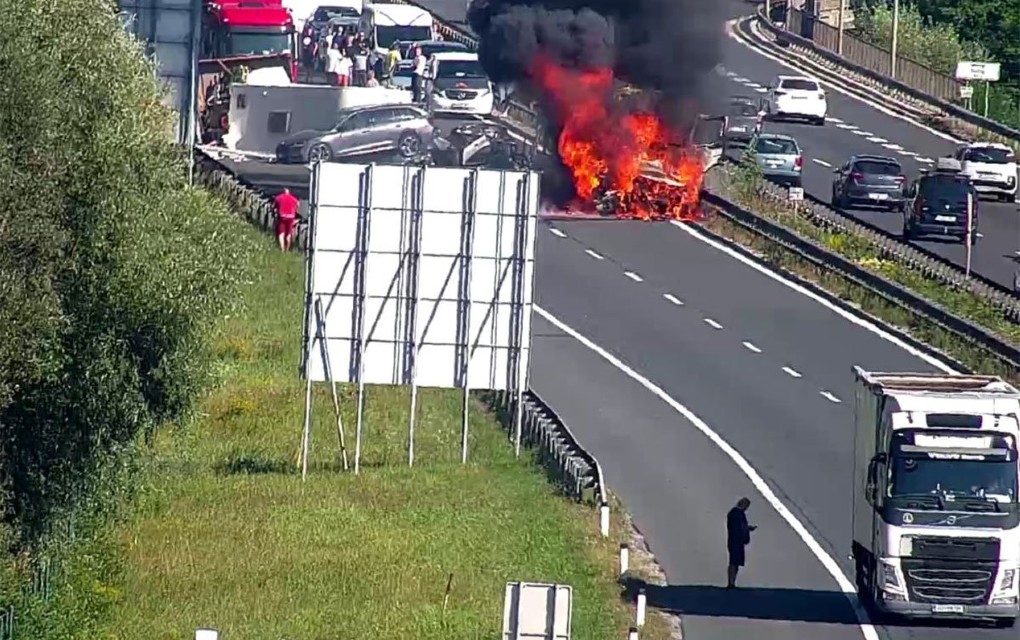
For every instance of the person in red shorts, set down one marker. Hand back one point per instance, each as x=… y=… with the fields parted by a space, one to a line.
x=286 y=219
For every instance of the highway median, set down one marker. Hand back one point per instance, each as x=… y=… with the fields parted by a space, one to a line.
x=985 y=339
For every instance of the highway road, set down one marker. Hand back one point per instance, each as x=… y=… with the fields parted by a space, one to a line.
x=767 y=368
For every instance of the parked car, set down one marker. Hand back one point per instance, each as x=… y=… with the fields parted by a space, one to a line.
x=796 y=97
x=400 y=128
x=457 y=84
x=871 y=180
x=992 y=169
x=743 y=121
x=402 y=75
x=324 y=15
x=429 y=47
x=779 y=157
x=937 y=204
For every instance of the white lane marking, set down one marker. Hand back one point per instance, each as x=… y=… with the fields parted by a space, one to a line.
x=593 y=254
x=740 y=79
x=821 y=162
x=790 y=372
x=557 y=232
x=836 y=87
x=894 y=147
x=751 y=347
x=752 y=85
x=827 y=561
x=863 y=134
x=730 y=74
x=877 y=139
x=762 y=90
x=833 y=120
x=633 y=276
x=904 y=152
x=672 y=298
x=925 y=160
x=828 y=396
x=712 y=323
x=825 y=302
x=848 y=127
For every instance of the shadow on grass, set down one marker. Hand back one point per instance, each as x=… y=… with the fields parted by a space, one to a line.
x=257 y=463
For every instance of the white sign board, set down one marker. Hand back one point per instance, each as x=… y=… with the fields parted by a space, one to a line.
x=207 y=634
x=533 y=611
x=986 y=71
x=966 y=91
x=796 y=194
x=424 y=274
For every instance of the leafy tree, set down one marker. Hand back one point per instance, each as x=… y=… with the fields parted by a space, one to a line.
x=994 y=24
x=113 y=271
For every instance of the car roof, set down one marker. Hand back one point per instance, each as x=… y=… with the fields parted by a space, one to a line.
x=776 y=136
x=376 y=107
x=988 y=145
x=796 y=78
x=874 y=158
x=445 y=43
x=455 y=55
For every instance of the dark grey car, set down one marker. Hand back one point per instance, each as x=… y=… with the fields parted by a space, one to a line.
x=400 y=128
x=743 y=121
x=870 y=180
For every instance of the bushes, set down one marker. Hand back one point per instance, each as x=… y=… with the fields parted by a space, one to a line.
x=112 y=270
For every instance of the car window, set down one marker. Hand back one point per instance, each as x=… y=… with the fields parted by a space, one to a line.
x=741 y=109
x=460 y=69
x=797 y=84
x=877 y=168
x=398 y=114
x=359 y=120
x=944 y=188
x=776 y=146
x=988 y=155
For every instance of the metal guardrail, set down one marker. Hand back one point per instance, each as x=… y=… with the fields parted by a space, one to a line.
x=810 y=34
x=821 y=256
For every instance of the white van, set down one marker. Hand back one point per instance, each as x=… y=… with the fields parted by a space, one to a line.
x=385 y=24
x=457 y=84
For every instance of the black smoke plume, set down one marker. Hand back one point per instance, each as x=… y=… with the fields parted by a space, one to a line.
x=662 y=45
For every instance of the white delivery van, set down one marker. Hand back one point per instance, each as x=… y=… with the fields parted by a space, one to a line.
x=385 y=24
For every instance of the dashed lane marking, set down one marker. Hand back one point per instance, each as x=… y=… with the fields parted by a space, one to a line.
x=750 y=347
x=557 y=232
x=672 y=298
x=828 y=396
x=593 y=254
x=792 y=373
x=633 y=276
x=712 y=323
x=821 y=162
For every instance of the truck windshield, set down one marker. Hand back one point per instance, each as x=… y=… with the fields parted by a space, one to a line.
x=387 y=35
x=950 y=479
x=244 y=43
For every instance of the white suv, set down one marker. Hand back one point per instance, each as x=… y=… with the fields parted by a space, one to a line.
x=796 y=97
x=458 y=84
x=992 y=169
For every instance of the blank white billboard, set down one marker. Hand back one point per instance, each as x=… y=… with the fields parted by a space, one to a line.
x=424 y=275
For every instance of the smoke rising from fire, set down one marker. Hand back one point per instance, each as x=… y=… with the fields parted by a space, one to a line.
x=573 y=56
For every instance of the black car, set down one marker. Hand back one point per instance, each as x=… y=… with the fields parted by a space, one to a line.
x=325 y=15
x=869 y=180
x=743 y=121
x=937 y=204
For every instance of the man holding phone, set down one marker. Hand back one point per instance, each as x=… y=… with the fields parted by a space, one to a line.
x=738 y=536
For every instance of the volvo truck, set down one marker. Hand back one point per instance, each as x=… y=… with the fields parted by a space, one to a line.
x=936 y=526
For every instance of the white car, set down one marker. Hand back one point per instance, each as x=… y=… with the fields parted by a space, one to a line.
x=458 y=84
x=992 y=169
x=796 y=97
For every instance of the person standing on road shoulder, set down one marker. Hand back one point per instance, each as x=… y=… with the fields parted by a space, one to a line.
x=286 y=219
x=738 y=536
x=334 y=63
x=418 y=76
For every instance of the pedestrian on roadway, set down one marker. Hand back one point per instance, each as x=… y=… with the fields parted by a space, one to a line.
x=738 y=536
x=286 y=219
x=418 y=76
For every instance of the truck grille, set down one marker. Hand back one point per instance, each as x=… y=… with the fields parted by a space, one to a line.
x=949 y=582
x=945 y=548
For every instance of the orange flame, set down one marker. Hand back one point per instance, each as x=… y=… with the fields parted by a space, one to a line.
x=652 y=174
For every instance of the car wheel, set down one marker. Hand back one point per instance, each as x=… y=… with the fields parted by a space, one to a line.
x=820 y=122
x=409 y=145
x=320 y=153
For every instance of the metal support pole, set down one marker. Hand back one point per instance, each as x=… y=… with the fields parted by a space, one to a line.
x=970 y=230
x=895 y=38
x=320 y=318
x=523 y=220
x=988 y=91
x=364 y=220
x=841 y=25
x=306 y=434
x=468 y=245
x=416 y=228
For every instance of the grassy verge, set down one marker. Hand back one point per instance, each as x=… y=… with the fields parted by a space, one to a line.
x=225 y=534
x=744 y=187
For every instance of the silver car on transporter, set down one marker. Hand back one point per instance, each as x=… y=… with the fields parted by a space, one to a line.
x=403 y=129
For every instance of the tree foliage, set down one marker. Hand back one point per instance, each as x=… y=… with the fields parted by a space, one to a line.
x=112 y=269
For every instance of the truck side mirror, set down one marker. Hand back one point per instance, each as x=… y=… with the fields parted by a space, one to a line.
x=872 y=486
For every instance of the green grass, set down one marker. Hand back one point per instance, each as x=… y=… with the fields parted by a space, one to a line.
x=225 y=534
x=743 y=186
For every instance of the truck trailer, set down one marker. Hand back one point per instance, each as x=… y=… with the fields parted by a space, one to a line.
x=936 y=525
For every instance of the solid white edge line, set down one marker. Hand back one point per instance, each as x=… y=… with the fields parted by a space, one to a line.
x=557 y=232
x=835 y=87
x=633 y=276
x=593 y=254
x=759 y=483
x=828 y=304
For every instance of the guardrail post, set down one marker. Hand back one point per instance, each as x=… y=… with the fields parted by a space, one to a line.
x=640 y=609
x=604 y=522
x=624 y=559
x=633 y=634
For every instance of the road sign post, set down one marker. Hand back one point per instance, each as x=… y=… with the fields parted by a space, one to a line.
x=970 y=229
x=987 y=72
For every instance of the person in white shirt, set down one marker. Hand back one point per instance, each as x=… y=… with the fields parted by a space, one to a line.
x=418 y=76
x=346 y=69
x=334 y=60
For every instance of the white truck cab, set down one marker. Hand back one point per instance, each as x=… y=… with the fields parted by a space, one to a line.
x=389 y=23
x=936 y=524
x=992 y=169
